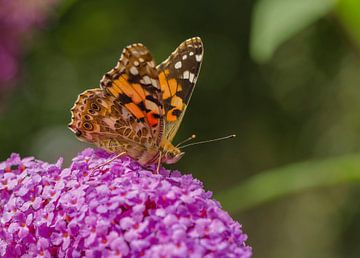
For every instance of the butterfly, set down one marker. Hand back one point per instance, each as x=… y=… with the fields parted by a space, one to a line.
x=139 y=106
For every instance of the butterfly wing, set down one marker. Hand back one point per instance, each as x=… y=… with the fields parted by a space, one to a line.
x=177 y=77
x=134 y=84
x=98 y=118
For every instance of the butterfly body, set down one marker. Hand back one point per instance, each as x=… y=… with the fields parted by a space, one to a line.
x=139 y=106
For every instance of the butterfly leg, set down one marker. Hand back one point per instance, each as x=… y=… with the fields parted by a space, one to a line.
x=159 y=163
x=109 y=161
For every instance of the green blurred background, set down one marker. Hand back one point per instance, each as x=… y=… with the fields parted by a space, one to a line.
x=284 y=75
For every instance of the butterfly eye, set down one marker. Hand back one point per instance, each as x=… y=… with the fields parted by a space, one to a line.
x=95 y=107
x=88 y=126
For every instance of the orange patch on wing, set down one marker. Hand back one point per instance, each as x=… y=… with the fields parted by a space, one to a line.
x=140 y=90
x=163 y=84
x=135 y=110
x=172 y=85
x=168 y=87
x=123 y=86
x=151 y=119
x=170 y=117
x=115 y=91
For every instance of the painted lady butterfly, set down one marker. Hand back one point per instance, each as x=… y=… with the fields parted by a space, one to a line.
x=139 y=107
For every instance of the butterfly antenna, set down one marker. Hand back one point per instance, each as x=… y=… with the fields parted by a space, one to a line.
x=213 y=140
x=192 y=137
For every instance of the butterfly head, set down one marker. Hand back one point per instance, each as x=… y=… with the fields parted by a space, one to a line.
x=170 y=153
x=173 y=156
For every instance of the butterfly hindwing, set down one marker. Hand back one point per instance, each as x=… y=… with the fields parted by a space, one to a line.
x=98 y=118
x=135 y=85
x=177 y=77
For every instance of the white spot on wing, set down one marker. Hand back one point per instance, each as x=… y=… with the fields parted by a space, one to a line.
x=154 y=83
x=191 y=77
x=186 y=75
x=191 y=53
x=146 y=80
x=178 y=65
x=133 y=70
x=198 y=57
x=184 y=57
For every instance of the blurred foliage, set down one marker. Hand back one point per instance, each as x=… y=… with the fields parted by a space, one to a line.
x=296 y=114
x=280 y=182
x=275 y=21
x=348 y=12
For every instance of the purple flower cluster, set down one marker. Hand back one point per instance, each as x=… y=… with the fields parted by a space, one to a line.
x=17 y=18
x=119 y=210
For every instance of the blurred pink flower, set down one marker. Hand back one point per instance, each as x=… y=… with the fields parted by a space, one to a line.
x=17 y=19
x=121 y=210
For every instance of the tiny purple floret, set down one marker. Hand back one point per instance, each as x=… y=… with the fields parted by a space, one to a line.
x=119 y=210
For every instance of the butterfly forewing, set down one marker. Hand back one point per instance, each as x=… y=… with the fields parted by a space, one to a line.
x=134 y=83
x=177 y=77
